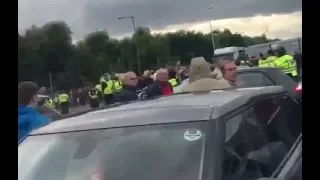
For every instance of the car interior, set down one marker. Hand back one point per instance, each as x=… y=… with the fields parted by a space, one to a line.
x=262 y=140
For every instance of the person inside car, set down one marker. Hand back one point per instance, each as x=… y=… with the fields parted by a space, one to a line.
x=129 y=88
x=28 y=117
x=201 y=78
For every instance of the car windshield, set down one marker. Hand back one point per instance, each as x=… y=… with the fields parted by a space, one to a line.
x=157 y=152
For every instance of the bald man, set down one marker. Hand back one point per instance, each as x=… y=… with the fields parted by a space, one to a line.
x=129 y=88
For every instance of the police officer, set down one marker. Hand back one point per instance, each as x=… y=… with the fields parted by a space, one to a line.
x=116 y=83
x=269 y=61
x=286 y=63
x=56 y=101
x=262 y=60
x=107 y=87
x=94 y=98
x=64 y=103
x=49 y=103
x=173 y=77
x=99 y=88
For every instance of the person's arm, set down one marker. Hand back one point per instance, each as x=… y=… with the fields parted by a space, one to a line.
x=39 y=121
x=152 y=90
x=103 y=85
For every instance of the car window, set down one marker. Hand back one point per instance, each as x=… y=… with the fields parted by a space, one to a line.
x=257 y=139
x=280 y=117
x=283 y=117
x=254 y=79
x=159 y=152
x=293 y=115
x=244 y=138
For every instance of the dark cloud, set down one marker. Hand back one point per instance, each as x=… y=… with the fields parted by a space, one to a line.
x=87 y=15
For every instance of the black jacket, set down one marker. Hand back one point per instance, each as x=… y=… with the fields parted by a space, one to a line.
x=154 y=90
x=144 y=82
x=127 y=93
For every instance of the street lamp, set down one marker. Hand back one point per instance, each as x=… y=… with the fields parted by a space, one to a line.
x=211 y=29
x=135 y=39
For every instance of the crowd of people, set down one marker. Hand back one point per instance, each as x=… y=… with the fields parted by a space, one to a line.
x=279 y=58
x=198 y=77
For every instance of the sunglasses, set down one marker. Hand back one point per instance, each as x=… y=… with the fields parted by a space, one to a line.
x=132 y=79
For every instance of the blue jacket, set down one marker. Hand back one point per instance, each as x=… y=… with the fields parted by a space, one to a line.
x=28 y=120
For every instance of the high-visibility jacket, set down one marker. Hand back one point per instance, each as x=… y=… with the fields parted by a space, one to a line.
x=287 y=64
x=268 y=62
x=109 y=88
x=173 y=82
x=93 y=94
x=63 y=98
x=117 y=85
x=49 y=103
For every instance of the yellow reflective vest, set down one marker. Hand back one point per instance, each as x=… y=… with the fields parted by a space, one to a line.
x=109 y=88
x=269 y=62
x=117 y=85
x=173 y=82
x=287 y=64
x=49 y=103
x=63 y=98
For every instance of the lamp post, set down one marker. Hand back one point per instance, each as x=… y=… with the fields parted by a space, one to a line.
x=211 y=29
x=135 y=39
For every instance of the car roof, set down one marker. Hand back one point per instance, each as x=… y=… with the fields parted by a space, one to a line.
x=170 y=109
x=265 y=69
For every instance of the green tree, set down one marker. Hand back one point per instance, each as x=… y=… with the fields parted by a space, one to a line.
x=49 y=49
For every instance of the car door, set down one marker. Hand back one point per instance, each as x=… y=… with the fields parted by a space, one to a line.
x=254 y=79
x=259 y=136
x=291 y=167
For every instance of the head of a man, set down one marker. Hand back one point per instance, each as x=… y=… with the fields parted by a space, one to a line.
x=28 y=93
x=228 y=69
x=202 y=79
x=199 y=68
x=162 y=75
x=130 y=79
x=172 y=73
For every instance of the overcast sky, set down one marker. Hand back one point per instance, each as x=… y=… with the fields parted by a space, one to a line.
x=282 y=18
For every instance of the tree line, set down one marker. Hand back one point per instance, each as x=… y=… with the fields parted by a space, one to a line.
x=48 y=52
